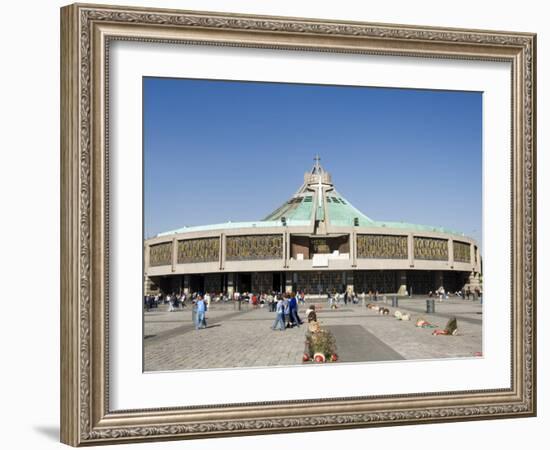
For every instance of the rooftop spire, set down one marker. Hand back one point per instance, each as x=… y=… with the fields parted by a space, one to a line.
x=317 y=174
x=317 y=160
x=317 y=169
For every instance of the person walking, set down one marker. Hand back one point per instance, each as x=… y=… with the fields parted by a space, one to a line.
x=279 y=317
x=201 y=313
x=286 y=310
x=293 y=306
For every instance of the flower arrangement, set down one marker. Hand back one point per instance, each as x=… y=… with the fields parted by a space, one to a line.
x=319 y=358
x=320 y=344
x=421 y=323
x=451 y=329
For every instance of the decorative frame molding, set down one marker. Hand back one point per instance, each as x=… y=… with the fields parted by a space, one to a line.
x=86 y=31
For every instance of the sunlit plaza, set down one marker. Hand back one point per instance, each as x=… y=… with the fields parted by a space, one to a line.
x=243 y=338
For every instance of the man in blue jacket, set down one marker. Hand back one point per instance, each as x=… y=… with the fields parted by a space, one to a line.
x=293 y=305
x=279 y=320
x=201 y=311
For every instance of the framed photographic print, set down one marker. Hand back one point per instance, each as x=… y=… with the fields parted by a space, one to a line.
x=277 y=224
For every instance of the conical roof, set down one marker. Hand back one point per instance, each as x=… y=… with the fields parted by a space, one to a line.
x=316 y=205
x=317 y=200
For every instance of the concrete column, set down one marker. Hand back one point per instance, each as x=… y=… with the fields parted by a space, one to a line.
x=349 y=282
x=451 y=254
x=353 y=248
x=288 y=282
x=410 y=249
x=438 y=279
x=174 y=254
x=254 y=282
x=186 y=283
x=222 y=251
x=478 y=260
x=230 y=284
x=147 y=285
x=287 y=249
x=472 y=255
x=402 y=282
x=146 y=256
x=285 y=256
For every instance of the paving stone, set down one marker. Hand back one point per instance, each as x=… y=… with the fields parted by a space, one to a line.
x=245 y=339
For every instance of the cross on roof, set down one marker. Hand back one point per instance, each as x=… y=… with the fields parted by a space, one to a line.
x=317 y=160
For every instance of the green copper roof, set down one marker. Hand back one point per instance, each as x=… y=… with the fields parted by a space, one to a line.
x=415 y=227
x=236 y=225
x=342 y=213
x=297 y=208
x=316 y=201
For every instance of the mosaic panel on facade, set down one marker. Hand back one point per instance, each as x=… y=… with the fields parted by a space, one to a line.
x=246 y=248
x=382 y=246
x=461 y=251
x=319 y=245
x=160 y=254
x=431 y=249
x=199 y=250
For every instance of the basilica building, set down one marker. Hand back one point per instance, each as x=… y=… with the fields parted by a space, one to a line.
x=315 y=242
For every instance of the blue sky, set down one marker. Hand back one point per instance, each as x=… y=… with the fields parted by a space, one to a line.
x=223 y=150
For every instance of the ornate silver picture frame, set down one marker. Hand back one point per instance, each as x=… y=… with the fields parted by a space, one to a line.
x=87 y=32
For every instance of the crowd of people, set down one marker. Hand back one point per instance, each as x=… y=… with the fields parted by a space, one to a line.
x=200 y=303
x=465 y=294
x=286 y=309
x=177 y=301
x=336 y=298
x=284 y=305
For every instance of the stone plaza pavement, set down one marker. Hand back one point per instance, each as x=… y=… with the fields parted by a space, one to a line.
x=244 y=338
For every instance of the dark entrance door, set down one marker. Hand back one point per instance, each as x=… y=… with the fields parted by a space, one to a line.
x=196 y=283
x=454 y=281
x=244 y=282
x=420 y=282
x=278 y=281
